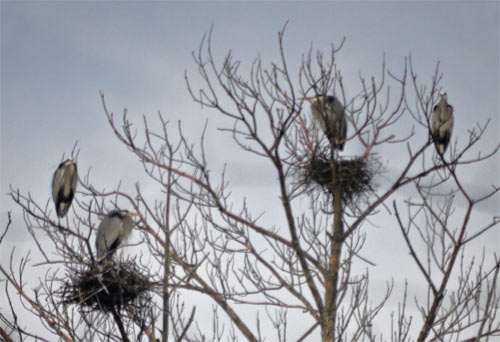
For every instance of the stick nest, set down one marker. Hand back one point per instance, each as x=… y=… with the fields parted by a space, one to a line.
x=107 y=286
x=354 y=175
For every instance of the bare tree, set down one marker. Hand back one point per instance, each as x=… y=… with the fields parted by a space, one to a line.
x=202 y=241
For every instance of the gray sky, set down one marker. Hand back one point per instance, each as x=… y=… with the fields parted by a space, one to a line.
x=56 y=56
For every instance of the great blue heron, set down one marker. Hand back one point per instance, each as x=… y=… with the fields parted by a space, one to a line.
x=329 y=113
x=442 y=123
x=113 y=230
x=64 y=185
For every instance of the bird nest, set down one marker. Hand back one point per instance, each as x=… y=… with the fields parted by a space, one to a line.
x=354 y=176
x=108 y=286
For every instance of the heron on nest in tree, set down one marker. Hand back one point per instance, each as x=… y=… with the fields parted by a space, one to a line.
x=329 y=113
x=112 y=232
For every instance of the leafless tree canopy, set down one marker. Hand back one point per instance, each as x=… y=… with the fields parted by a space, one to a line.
x=206 y=257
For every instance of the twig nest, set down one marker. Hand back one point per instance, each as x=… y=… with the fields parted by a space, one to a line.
x=353 y=175
x=107 y=286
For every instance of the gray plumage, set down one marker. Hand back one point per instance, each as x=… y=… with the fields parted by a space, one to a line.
x=442 y=123
x=329 y=113
x=112 y=232
x=64 y=185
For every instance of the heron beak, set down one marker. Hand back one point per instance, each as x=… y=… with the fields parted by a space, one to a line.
x=133 y=214
x=309 y=99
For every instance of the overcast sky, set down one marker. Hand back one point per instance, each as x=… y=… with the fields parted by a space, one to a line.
x=57 y=56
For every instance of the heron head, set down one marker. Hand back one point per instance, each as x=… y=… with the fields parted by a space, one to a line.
x=443 y=94
x=69 y=161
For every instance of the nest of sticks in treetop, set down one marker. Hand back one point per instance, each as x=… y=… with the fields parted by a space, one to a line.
x=107 y=286
x=353 y=175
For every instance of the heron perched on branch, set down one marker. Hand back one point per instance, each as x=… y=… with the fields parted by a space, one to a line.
x=442 y=123
x=113 y=231
x=329 y=113
x=64 y=185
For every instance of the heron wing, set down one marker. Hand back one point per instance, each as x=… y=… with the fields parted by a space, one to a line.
x=435 y=120
x=449 y=110
x=338 y=123
x=68 y=184
x=57 y=181
x=74 y=178
x=108 y=236
x=445 y=123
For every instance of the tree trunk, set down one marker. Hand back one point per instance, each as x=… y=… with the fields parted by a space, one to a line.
x=331 y=282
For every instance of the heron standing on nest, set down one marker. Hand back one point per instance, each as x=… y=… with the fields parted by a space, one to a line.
x=64 y=185
x=442 y=123
x=112 y=232
x=329 y=113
